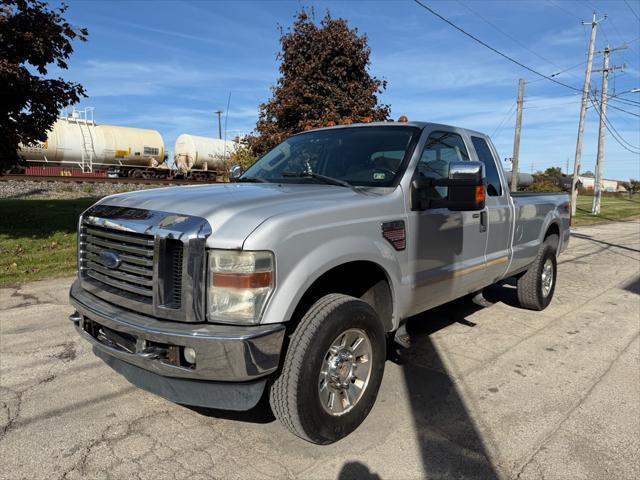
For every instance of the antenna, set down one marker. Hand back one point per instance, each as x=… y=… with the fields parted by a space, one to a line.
x=226 y=117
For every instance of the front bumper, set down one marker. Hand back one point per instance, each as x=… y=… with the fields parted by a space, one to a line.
x=224 y=353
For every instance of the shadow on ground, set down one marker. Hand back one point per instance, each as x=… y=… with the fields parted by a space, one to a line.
x=261 y=413
x=602 y=242
x=30 y=219
x=633 y=286
x=450 y=445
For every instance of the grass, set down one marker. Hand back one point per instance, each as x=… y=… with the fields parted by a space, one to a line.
x=38 y=238
x=611 y=209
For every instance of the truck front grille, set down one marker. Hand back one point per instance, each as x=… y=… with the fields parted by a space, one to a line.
x=146 y=261
x=120 y=262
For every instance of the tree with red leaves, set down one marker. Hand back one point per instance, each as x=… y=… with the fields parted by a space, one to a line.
x=32 y=37
x=324 y=80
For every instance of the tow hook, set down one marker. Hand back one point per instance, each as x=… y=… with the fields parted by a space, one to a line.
x=151 y=353
x=75 y=317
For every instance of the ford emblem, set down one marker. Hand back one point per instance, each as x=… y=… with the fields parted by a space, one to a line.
x=110 y=259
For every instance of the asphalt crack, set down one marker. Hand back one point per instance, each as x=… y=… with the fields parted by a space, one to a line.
x=566 y=416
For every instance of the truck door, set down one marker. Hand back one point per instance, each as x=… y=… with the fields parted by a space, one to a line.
x=449 y=245
x=498 y=213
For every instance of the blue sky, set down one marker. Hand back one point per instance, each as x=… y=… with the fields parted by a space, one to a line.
x=169 y=65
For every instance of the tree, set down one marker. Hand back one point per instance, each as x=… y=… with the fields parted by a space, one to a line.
x=242 y=155
x=588 y=173
x=33 y=36
x=632 y=186
x=543 y=186
x=324 y=80
x=553 y=172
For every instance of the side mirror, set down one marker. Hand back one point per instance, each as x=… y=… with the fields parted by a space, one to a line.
x=466 y=189
x=234 y=172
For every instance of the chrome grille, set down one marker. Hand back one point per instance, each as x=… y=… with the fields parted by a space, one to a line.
x=146 y=261
x=133 y=276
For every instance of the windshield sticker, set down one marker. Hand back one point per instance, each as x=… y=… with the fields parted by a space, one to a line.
x=379 y=176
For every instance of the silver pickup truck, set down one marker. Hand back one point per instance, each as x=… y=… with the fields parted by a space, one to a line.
x=289 y=280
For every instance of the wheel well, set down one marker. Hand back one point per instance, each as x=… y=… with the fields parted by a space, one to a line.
x=553 y=229
x=362 y=279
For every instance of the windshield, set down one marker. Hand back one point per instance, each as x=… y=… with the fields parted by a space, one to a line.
x=360 y=156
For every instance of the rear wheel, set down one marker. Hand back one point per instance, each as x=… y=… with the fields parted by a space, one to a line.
x=537 y=285
x=332 y=371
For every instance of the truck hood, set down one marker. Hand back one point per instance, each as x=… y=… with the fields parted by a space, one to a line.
x=235 y=210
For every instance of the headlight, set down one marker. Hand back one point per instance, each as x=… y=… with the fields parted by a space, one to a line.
x=239 y=285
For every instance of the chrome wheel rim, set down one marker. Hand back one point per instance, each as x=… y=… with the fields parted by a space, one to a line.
x=345 y=372
x=547 y=277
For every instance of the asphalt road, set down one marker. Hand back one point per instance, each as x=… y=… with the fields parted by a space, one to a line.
x=483 y=392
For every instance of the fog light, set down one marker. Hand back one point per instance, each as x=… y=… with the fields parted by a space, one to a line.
x=189 y=354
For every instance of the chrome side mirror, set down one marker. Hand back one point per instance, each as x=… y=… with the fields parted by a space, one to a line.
x=465 y=189
x=234 y=172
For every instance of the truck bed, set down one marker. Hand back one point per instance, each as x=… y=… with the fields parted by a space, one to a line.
x=533 y=213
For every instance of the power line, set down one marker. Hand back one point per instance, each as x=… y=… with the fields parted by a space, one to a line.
x=506 y=118
x=621 y=141
x=623 y=110
x=567 y=69
x=632 y=10
x=612 y=130
x=625 y=101
x=512 y=38
x=486 y=45
x=557 y=5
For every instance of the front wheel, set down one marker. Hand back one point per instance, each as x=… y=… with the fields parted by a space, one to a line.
x=332 y=370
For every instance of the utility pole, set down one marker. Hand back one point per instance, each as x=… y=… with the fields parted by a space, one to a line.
x=583 y=112
x=516 y=138
x=597 y=182
x=219 y=113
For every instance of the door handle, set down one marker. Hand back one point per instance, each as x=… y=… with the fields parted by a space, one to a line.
x=483 y=221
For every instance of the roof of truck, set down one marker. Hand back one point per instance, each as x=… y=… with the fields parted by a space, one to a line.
x=418 y=124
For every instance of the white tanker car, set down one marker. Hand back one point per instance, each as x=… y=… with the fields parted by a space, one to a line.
x=202 y=157
x=76 y=141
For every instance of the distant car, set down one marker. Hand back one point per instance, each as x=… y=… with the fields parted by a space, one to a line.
x=291 y=278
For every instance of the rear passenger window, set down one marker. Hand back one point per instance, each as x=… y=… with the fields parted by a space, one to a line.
x=494 y=188
x=441 y=149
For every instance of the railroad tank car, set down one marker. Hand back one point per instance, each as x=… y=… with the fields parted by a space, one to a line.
x=192 y=152
x=78 y=141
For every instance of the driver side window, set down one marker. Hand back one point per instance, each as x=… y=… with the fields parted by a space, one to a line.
x=441 y=149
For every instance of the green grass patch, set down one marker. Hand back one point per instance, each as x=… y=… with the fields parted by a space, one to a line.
x=611 y=209
x=38 y=238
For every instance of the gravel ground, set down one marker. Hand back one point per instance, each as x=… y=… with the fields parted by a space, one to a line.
x=64 y=190
x=482 y=393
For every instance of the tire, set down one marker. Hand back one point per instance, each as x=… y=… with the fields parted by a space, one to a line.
x=534 y=290
x=297 y=395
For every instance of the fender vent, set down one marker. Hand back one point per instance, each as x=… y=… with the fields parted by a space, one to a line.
x=395 y=234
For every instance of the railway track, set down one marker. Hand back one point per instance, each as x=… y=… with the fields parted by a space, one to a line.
x=65 y=179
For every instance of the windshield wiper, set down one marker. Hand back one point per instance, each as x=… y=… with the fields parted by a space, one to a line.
x=252 y=180
x=324 y=178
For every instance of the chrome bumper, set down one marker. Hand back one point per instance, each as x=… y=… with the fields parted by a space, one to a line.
x=224 y=353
